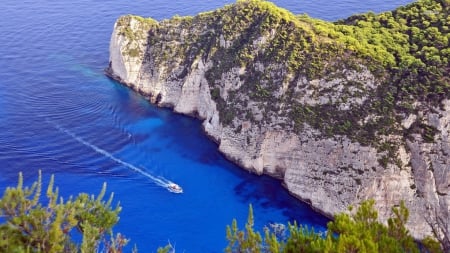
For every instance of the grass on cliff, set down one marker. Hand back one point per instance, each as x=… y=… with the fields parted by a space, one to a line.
x=406 y=49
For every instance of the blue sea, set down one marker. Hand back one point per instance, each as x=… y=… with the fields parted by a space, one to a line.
x=60 y=114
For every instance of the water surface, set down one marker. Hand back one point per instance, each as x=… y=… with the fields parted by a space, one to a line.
x=61 y=115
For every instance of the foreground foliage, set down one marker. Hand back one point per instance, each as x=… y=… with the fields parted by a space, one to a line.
x=27 y=225
x=356 y=232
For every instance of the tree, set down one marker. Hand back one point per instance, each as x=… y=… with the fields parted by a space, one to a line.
x=439 y=221
x=30 y=226
x=357 y=231
x=246 y=240
x=396 y=227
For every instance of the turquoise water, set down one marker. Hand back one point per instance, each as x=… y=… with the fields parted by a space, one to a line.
x=60 y=114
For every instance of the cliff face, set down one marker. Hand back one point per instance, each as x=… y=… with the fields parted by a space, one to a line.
x=284 y=96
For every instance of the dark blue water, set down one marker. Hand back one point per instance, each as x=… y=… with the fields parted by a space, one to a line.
x=53 y=94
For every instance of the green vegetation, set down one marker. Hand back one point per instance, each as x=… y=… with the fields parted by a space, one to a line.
x=356 y=232
x=124 y=21
x=278 y=55
x=30 y=226
x=358 y=77
x=136 y=34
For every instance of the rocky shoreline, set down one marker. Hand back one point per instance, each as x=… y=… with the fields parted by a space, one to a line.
x=253 y=127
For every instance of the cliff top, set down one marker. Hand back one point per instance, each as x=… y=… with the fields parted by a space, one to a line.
x=398 y=63
x=354 y=109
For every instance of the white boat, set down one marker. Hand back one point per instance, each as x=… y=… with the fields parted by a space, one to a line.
x=174 y=188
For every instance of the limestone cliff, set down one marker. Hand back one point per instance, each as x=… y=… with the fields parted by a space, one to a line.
x=336 y=113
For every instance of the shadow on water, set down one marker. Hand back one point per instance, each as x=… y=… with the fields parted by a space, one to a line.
x=186 y=137
x=53 y=54
x=266 y=192
x=183 y=133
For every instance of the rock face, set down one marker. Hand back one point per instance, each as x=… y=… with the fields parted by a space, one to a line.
x=296 y=126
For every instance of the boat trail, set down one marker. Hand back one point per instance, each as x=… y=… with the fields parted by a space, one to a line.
x=157 y=180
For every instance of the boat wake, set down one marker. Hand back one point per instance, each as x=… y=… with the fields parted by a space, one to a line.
x=169 y=185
